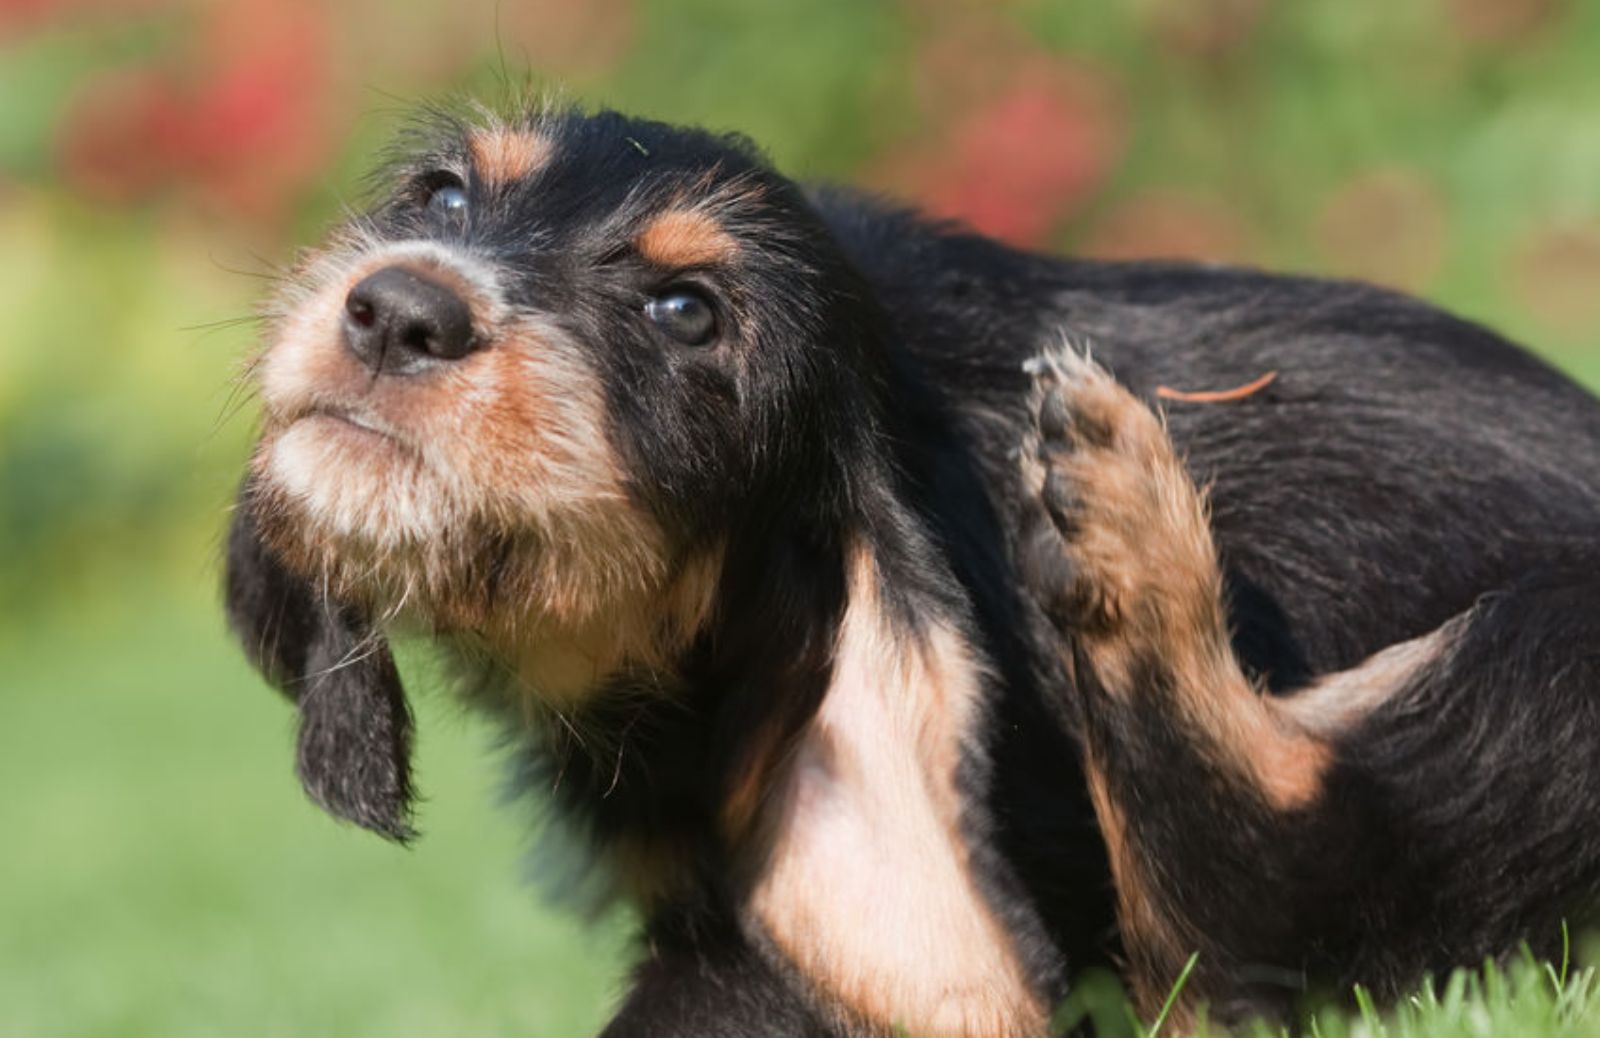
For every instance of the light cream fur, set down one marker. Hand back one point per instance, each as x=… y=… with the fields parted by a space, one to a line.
x=867 y=885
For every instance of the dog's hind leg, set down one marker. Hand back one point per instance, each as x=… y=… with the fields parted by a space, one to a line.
x=1433 y=805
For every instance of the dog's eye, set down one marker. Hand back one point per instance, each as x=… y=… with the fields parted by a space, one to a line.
x=445 y=194
x=684 y=315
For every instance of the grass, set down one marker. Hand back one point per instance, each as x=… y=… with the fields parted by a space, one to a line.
x=161 y=875
x=1525 y=999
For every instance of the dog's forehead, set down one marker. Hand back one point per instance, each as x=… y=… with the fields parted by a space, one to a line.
x=617 y=144
x=571 y=168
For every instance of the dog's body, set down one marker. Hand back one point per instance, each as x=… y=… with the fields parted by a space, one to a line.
x=777 y=613
x=1405 y=471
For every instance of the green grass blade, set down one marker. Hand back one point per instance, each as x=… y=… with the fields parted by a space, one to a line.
x=1172 y=996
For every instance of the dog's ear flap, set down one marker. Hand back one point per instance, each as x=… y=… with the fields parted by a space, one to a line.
x=354 y=754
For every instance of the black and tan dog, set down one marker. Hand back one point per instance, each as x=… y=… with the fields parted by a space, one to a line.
x=878 y=643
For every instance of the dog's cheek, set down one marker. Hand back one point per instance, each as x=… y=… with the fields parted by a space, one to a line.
x=305 y=356
x=683 y=445
x=534 y=443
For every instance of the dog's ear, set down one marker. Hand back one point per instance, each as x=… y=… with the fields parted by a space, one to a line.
x=354 y=755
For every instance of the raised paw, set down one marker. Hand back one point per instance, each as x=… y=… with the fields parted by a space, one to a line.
x=1115 y=544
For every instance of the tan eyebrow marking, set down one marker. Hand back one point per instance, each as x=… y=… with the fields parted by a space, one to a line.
x=506 y=155
x=685 y=238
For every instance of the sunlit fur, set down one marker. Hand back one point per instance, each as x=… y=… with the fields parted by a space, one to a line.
x=767 y=622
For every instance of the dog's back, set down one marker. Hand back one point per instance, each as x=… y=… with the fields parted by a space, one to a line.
x=1400 y=462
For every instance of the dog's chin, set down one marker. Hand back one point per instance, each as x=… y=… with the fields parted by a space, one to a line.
x=354 y=482
x=469 y=531
x=365 y=518
x=355 y=511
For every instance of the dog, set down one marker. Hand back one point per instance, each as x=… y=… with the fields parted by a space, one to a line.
x=876 y=640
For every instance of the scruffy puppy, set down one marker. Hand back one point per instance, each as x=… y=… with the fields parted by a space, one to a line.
x=866 y=648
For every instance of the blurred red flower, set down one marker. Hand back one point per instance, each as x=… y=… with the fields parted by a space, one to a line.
x=119 y=140
x=241 y=119
x=1017 y=164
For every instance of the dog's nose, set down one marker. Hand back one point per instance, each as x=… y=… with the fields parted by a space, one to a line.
x=396 y=320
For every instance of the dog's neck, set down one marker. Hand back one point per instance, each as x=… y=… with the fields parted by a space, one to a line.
x=560 y=663
x=820 y=739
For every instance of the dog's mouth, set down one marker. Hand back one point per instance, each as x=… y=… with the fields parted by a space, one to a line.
x=353 y=429
x=349 y=422
x=351 y=471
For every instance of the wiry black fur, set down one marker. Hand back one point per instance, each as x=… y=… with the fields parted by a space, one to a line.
x=1404 y=465
x=1405 y=470
x=354 y=753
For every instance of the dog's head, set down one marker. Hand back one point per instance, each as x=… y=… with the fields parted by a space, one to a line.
x=522 y=402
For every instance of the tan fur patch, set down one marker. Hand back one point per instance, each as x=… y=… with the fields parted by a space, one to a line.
x=866 y=884
x=557 y=663
x=1334 y=703
x=1152 y=586
x=505 y=155
x=686 y=238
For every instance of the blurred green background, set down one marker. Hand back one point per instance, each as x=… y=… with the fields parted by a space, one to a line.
x=159 y=871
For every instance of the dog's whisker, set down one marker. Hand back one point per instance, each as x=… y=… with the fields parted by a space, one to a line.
x=240 y=395
x=271 y=273
x=223 y=324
